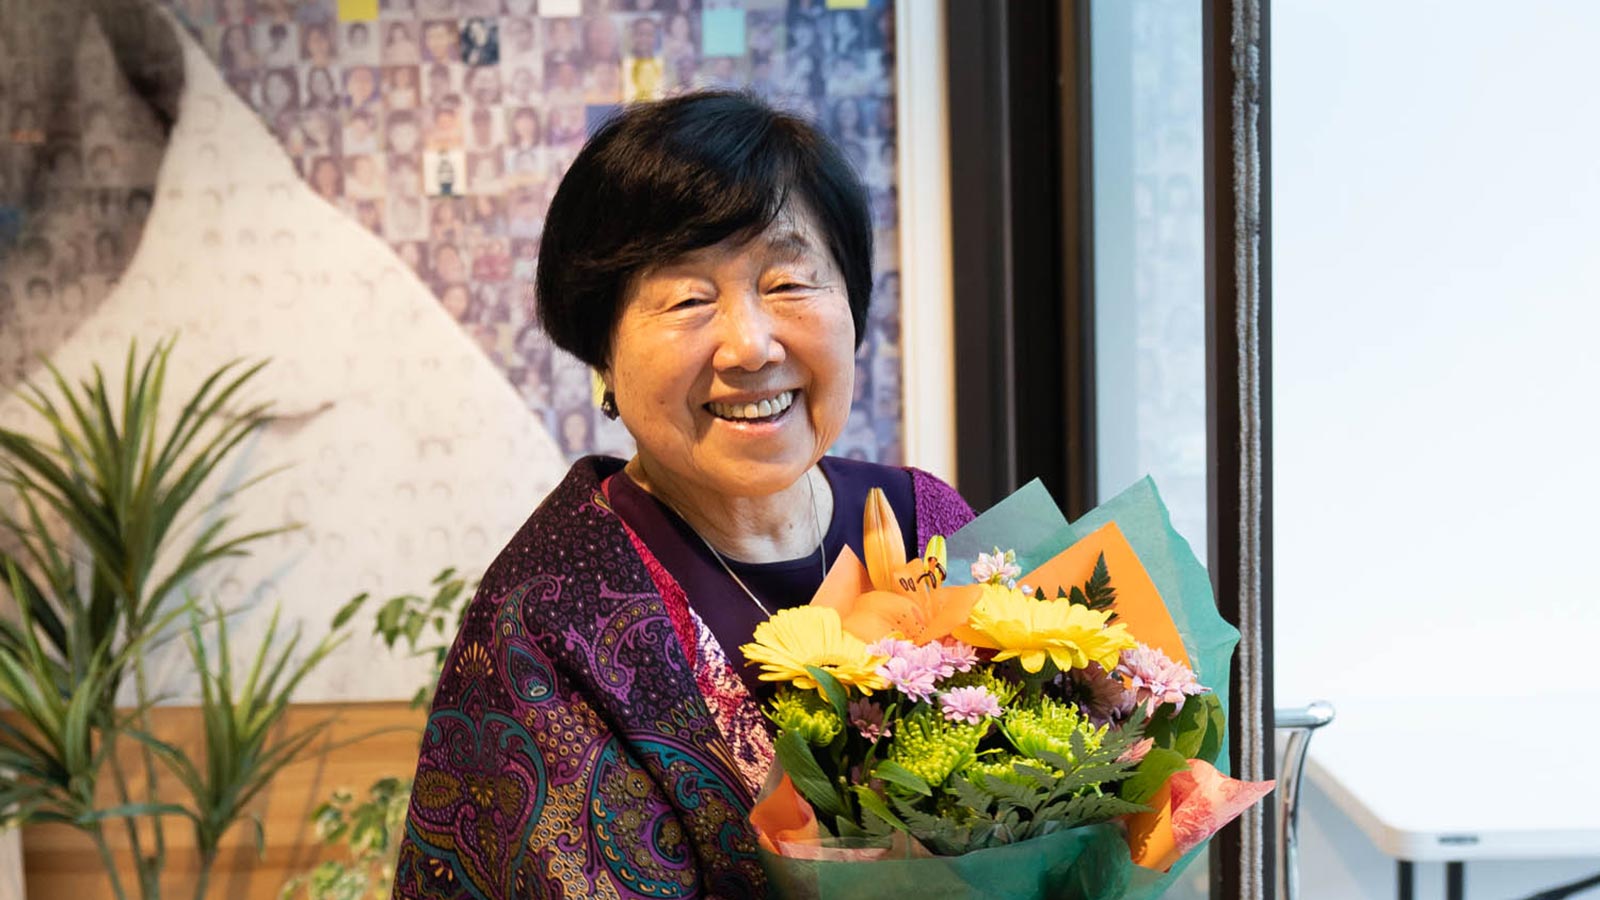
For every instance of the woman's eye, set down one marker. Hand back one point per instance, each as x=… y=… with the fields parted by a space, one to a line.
x=688 y=303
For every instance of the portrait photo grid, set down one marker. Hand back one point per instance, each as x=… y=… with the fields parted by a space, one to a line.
x=444 y=126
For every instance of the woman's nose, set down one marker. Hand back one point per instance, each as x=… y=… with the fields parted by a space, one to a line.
x=748 y=339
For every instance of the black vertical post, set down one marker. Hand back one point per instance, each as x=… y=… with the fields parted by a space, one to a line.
x=1020 y=237
x=1239 y=403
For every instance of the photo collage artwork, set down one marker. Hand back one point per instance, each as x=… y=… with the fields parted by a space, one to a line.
x=444 y=126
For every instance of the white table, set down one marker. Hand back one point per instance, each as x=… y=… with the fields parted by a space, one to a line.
x=1456 y=780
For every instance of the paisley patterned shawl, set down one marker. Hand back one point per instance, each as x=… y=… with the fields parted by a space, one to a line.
x=588 y=738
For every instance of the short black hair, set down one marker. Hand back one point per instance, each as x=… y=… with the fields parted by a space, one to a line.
x=663 y=179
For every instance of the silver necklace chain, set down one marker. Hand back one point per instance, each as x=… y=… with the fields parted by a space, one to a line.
x=816 y=522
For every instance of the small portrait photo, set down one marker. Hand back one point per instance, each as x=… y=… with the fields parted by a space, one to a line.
x=443 y=83
x=765 y=32
x=238 y=50
x=681 y=35
x=527 y=130
x=444 y=131
x=415 y=255
x=524 y=263
x=108 y=253
x=368 y=213
x=523 y=8
x=314 y=12
x=359 y=44
x=440 y=41
x=575 y=430
x=566 y=125
x=360 y=87
x=437 y=9
x=487 y=214
x=322 y=131
x=326 y=178
x=491 y=260
x=280 y=92
x=483 y=85
x=523 y=83
x=316 y=44
x=602 y=40
x=402 y=134
x=242 y=84
x=279 y=44
x=103 y=168
x=321 y=91
x=480 y=42
x=407 y=219
x=525 y=214
x=723 y=73
x=402 y=87
x=233 y=12
x=485 y=172
x=803 y=74
x=561 y=38
x=449 y=266
x=478 y=7
x=361 y=131
x=275 y=11
x=644 y=35
x=444 y=173
x=446 y=219
x=401 y=46
x=563 y=82
x=519 y=41
x=848 y=31
x=405 y=175
x=804 y=35
x=643 y=79
x=362 y=178
x=764 y=70
x=483 y=128
x=845 y=120
x=397 y=9
x=456 y=298
x=602 y=84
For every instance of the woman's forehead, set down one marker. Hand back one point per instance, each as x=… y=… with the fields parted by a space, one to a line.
x=792 y=234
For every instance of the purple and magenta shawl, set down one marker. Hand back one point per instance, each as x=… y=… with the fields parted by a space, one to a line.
x=588 y=737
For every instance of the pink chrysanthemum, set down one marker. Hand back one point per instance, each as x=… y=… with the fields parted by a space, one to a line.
x=1156 y=679
x=969 y=704
x=1101 y=697
x=996 y=568
x=912 y=670
x=959 y=656
x=867 y=717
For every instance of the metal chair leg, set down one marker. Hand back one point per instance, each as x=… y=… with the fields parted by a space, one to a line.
x=1299 y=723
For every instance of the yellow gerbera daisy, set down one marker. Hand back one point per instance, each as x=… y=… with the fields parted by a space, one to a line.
x=813 y=636
x=1017 y=625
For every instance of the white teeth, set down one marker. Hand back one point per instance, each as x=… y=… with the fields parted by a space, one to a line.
x=759 y=410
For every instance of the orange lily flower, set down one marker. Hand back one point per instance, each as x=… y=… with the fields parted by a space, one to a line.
x=891 y=594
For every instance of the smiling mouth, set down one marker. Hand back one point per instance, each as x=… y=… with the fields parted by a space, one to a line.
x=768 y=410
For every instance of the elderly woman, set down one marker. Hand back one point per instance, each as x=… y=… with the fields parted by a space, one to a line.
x=595 y=733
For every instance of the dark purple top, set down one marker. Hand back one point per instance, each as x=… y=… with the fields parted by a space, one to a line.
x=726 y=609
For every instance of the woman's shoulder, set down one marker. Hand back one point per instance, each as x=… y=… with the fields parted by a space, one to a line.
x=576 y=507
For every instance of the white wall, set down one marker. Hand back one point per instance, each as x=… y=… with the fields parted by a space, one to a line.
x=1436 y=205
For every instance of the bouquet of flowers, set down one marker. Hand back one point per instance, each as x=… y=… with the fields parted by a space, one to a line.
x=1035 y=721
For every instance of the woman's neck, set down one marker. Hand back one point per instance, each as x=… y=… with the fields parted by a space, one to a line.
x=785 y=525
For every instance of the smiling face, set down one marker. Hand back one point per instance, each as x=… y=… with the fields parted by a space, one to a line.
x=732 y=366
